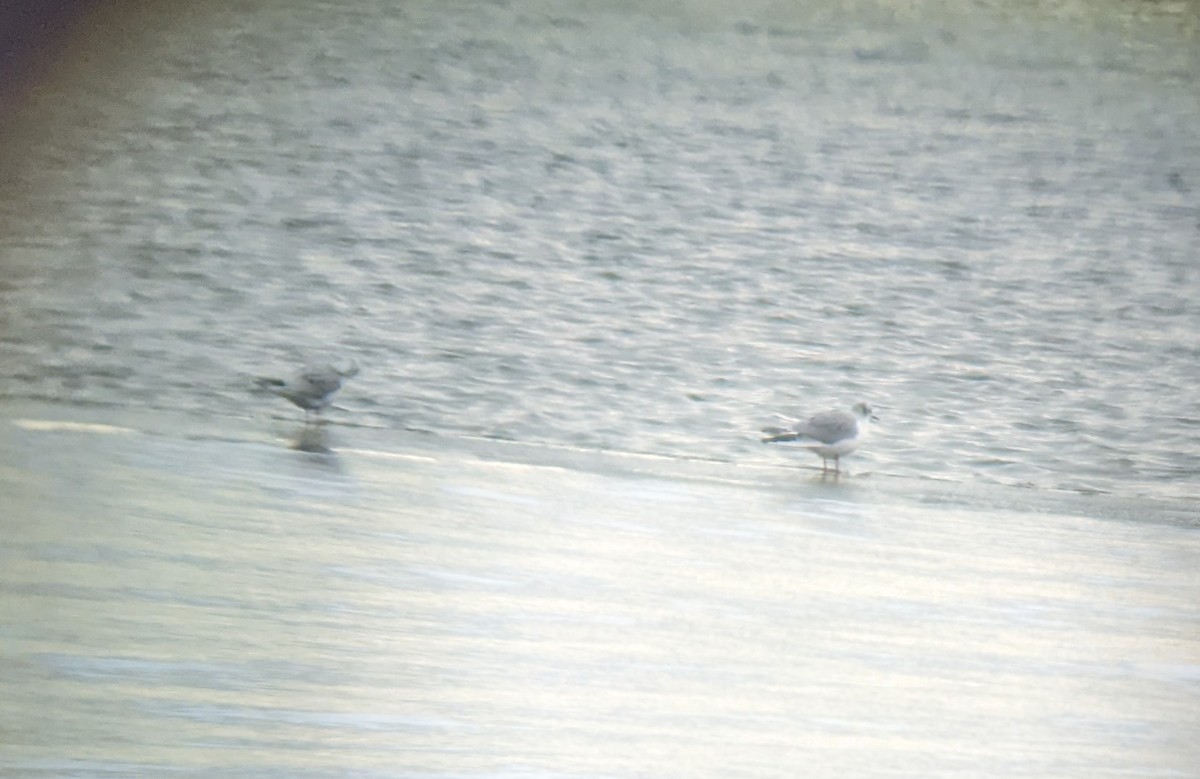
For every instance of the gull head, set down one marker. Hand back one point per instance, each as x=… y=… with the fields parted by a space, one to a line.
x=864 y=412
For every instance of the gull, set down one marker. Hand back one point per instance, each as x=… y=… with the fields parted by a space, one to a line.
x=830 y=434
x=312 y=388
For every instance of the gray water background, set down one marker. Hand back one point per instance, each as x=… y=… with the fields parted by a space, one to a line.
x=632 y=227
x=582 y=253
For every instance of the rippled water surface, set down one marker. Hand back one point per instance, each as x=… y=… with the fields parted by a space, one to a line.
x=583 y=253
x=638 y=228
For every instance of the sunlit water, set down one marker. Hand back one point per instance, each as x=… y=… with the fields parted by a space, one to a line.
x=176 y=604
x=582 y=255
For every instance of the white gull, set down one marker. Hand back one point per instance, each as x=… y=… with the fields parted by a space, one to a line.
x=830 y=435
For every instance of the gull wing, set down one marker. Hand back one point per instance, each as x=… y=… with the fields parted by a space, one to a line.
x=317 y=381
x=828 y=427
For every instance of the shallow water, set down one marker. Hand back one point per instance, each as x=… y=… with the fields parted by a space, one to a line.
x=176 y=603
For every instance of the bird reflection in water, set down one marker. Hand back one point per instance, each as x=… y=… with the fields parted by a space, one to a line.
x=312 y=438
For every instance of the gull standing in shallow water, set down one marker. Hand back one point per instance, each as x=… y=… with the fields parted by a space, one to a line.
x=312 y=389
x=830 y=434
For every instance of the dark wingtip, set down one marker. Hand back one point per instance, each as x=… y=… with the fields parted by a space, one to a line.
x=776 y=434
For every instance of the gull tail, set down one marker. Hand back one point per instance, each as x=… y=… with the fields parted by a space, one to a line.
x=270 y=385
x=779 y=435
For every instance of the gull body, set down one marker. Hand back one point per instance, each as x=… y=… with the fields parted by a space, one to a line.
x=831 y=435
x=312 y=388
